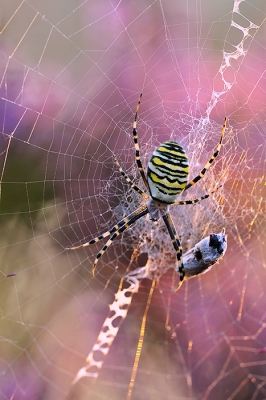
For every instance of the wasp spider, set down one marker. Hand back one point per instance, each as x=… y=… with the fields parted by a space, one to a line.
x=166 y=179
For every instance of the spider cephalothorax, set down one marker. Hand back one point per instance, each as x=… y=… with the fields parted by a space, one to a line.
x=166 y=179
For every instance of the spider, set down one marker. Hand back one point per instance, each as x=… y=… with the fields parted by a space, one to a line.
x=166 y=179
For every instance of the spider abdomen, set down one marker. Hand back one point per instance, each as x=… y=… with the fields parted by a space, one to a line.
x=168 y=171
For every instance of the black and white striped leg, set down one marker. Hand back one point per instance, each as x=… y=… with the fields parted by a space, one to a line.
x=129 y=221
x=112 y=230
x=177 y=246
x=135 y=187
x=194 y=201
x=207 y=166
x=135 y=137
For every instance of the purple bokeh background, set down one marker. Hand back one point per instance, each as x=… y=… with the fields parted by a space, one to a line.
x=71 y=74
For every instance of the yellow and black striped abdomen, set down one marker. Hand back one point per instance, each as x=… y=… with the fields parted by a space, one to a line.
x=168 y=171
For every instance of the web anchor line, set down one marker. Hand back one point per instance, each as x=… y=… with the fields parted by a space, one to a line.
x=198 y=260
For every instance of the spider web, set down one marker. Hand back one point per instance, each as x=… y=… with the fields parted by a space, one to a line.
x=71 y=74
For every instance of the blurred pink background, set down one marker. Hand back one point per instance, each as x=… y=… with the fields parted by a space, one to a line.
x=71 y=74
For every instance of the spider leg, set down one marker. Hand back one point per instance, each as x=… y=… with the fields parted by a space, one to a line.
x=135 y=187
x=135 y=137
x=177 y=246
x=127 y=223
x=108 y=233
x=194 y=201
x=207 y=166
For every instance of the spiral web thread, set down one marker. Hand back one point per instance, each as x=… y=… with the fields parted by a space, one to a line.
x=196 y=261
x=70 y=78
